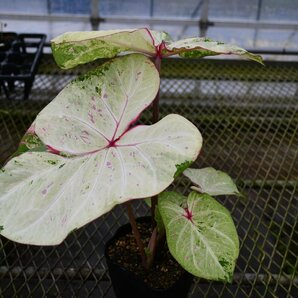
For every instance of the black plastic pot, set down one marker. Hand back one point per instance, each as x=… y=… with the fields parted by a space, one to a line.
x=126 y=284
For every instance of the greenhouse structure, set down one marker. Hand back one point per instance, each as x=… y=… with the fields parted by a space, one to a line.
x=247 y=114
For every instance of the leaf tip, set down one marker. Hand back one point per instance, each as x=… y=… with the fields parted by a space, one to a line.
x=228 y=266
x=254 y=57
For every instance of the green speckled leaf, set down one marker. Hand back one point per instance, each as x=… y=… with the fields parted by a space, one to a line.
x=30 y=142
x=74 y=48
x=181 y=168
x=100 y=160
x=211 y=181
x=201 y=234
x=200 y=47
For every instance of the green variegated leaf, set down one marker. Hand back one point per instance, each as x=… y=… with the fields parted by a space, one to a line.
x=73 y=48
x=201 y=234
x=181 y=168
x=102 y=160
x=211 y=181
x=200 y=47
x=30 y=142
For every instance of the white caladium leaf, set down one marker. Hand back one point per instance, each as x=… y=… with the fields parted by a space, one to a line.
x=100 y=159
x=200 y=47
x=97 y=108
x=201 y=234
x=74 y=48
x=211 y=181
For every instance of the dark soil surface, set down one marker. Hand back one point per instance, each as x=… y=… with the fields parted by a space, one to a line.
x=165 y=270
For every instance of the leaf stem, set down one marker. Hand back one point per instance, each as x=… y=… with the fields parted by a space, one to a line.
x=155 y=115
x=136 y=234
x=154 y=200
x=155 y=118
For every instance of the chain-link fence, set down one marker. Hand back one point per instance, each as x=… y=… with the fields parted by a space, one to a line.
x=248 y=116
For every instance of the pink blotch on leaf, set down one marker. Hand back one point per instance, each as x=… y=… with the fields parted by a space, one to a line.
x=44 y=192
x=91 y=117
x=85 y=139
x=133 y=154
x=64 y=219
x=31 y=129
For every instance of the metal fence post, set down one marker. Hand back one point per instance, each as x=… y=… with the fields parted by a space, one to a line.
x=94 y=14
x=203 y=23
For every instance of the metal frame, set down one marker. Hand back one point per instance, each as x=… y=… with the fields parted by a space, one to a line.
x=248 y=115
x=238 y=23
x=203 y=22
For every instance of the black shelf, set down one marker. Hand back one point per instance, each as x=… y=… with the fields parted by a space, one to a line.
x=19 y=58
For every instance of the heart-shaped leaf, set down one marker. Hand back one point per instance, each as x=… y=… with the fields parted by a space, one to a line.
x=74 y=48
x=201 y=234
x=200 y=47
x=211 y=181
x=100 y=160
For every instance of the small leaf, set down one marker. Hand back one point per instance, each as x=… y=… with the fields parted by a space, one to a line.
x=181 y=168
x=211 y=181
x=201 y=234
x=201 y=47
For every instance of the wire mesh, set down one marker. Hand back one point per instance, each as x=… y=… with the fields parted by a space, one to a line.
x=248 y=116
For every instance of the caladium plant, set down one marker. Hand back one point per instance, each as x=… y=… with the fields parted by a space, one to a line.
x=84 y=154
